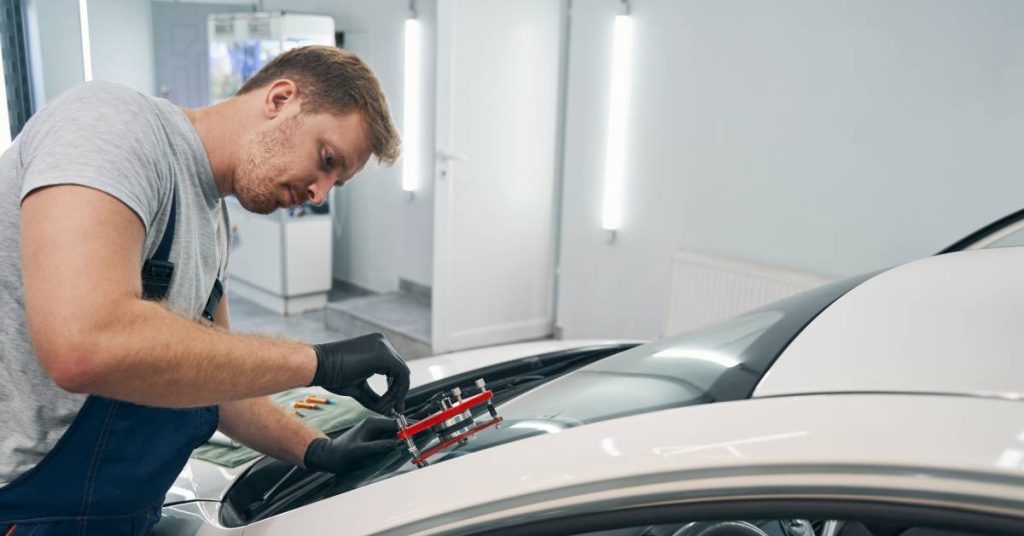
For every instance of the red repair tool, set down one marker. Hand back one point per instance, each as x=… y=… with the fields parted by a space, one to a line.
x=452 y=424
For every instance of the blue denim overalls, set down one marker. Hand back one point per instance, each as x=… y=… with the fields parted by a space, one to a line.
x=109 y=472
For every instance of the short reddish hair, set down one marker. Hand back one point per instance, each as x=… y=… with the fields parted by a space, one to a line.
x=335 y=80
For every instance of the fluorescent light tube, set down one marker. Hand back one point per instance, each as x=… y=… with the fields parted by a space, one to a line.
x=618 y=107
x=83 y=21
x=413 y=78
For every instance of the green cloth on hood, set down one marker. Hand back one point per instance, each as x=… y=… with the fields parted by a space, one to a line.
x=343 y=413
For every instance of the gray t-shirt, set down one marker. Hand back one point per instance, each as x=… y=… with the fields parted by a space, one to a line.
x=139 y=150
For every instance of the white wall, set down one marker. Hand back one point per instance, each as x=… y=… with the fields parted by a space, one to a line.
x=121 y=39
x=385 y=235
x=60 y=46
x=121 y=42
x=830 y=136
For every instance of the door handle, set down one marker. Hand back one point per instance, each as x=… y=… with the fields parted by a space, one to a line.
x=447 y=156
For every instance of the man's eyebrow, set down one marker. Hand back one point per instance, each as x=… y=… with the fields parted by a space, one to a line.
x=337 y=154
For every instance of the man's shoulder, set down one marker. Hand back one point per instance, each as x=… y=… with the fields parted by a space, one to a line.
x=105 y=113
x=102 y=94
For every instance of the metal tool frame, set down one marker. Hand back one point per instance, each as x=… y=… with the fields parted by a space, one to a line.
x=452 y=425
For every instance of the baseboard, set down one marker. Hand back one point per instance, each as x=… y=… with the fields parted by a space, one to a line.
x=422 y=293
x=349 y=288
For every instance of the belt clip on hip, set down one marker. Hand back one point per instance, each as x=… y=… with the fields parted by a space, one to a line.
x=452 y=424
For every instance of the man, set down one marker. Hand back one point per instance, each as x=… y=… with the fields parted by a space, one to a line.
x=113 y=239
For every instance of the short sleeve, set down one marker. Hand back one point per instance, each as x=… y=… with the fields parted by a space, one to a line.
x=100 y=135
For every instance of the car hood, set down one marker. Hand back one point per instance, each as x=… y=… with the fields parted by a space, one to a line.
x=779 y=445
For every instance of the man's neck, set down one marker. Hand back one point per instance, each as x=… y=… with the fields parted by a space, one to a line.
x=218 y=128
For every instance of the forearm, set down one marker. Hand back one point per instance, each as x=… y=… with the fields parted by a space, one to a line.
x=261 y=424
x=151 y=356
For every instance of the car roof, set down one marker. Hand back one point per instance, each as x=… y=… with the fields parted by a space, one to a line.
x=946 y=324
x=910 y=445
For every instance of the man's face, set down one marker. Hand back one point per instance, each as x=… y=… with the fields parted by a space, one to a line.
x=299 y=157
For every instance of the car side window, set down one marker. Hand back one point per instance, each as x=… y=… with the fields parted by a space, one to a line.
x=1015 y=238
x=1005 y=232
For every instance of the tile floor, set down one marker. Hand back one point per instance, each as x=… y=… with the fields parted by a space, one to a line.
x=310 y=327
x=389 y=311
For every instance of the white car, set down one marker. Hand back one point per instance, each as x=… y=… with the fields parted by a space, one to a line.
x=887 y=404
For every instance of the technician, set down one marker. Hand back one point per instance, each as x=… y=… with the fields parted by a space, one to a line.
x=113 y=235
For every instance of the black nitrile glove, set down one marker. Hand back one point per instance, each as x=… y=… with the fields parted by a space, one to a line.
x=343 y=367
x=373 y=437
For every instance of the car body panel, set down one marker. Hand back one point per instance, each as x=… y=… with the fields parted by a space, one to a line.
x=194 y=518
x=882 y=444
x=943 y=324
x=201 y=480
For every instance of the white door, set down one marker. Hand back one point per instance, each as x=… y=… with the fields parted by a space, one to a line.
x=182 y=51
x=498 y=73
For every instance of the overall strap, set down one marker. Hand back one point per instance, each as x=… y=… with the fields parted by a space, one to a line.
x=157 y=271
x=163 y=251
x=211 y=304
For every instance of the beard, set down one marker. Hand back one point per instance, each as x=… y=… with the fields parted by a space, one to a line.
x=263 y=165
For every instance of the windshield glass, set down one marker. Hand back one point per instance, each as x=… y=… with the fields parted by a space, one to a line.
x=718 y=363
x=677 y=371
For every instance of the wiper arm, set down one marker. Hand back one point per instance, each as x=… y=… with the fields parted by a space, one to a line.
x=273 y=489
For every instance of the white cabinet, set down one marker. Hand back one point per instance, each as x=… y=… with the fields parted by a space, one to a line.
x=279 y=261
x=242 y=43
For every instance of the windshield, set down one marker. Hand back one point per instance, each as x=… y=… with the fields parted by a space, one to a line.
x=718 y=363
x=547 y=394
x=677 y=371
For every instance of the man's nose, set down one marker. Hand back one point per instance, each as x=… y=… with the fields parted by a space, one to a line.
x=318 y=190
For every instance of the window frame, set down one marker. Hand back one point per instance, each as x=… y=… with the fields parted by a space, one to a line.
x=15 y=64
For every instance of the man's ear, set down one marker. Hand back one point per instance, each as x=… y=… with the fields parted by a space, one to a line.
x=279 y=93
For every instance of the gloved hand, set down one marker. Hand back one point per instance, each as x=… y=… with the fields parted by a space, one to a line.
x=343 y=367
x=373 y=437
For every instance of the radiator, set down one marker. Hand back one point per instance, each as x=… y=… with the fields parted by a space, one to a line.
x=708 y=288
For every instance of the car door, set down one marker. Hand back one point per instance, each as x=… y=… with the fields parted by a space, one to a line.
x=1004 y=232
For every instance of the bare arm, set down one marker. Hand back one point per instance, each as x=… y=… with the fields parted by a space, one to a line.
x=261 y=424
x=93 y=333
